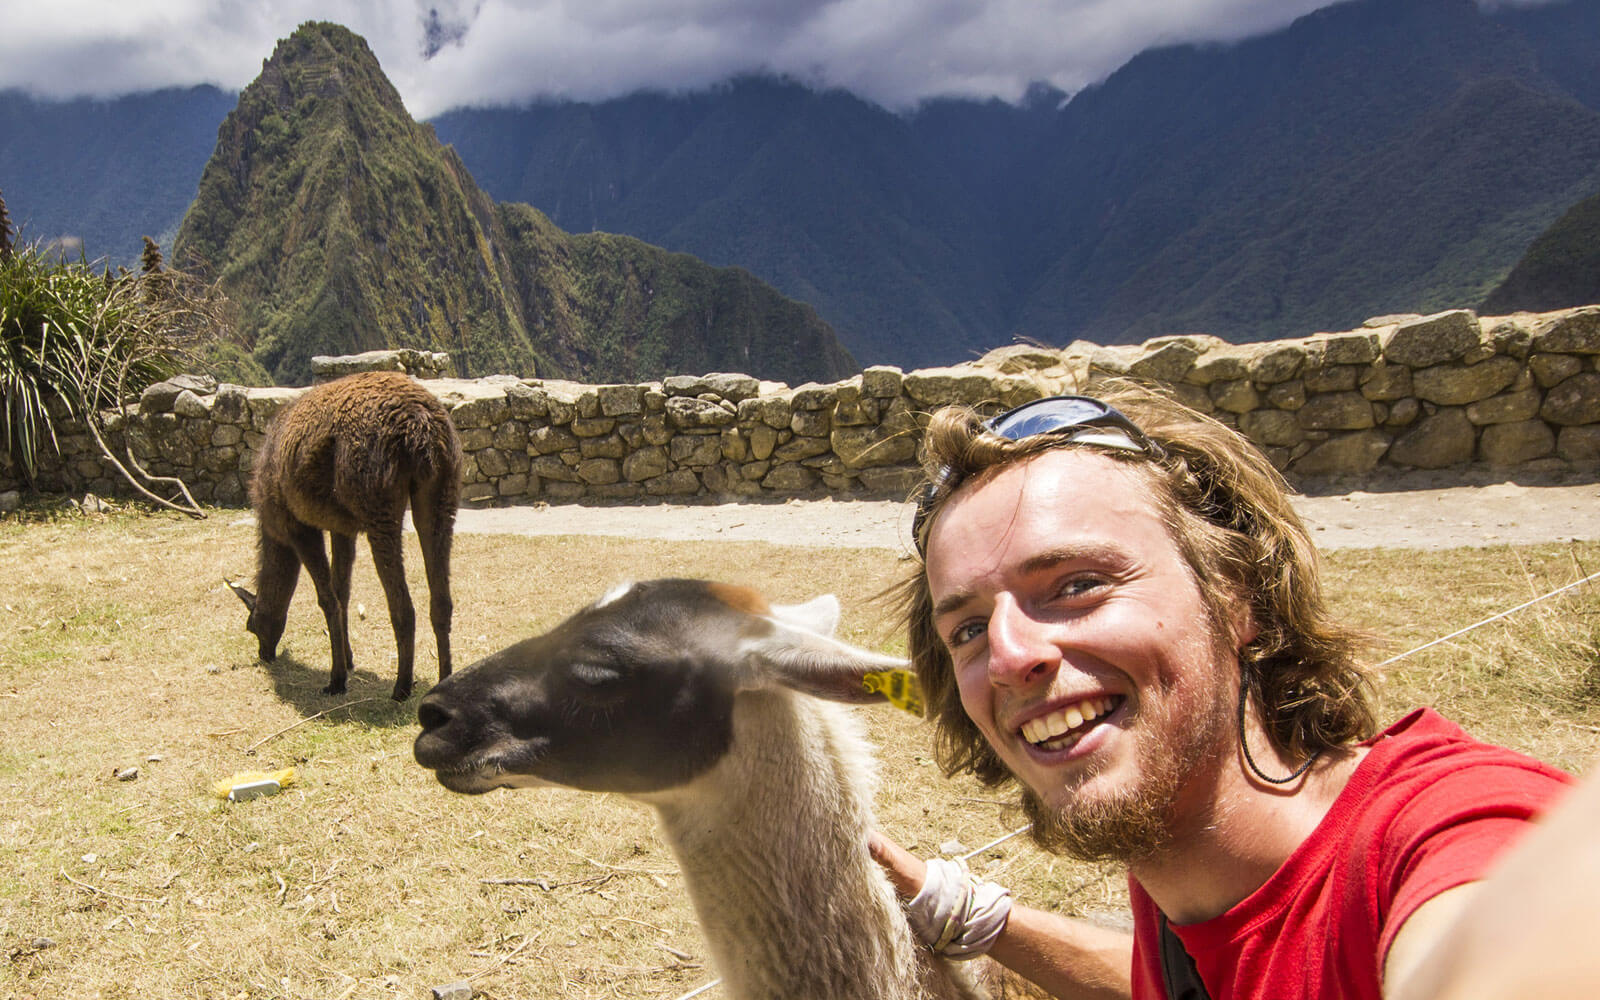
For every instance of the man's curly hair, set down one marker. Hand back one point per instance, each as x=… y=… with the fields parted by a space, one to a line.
x=1228 y=510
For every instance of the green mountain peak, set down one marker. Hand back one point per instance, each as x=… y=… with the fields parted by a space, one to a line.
x=336 y=223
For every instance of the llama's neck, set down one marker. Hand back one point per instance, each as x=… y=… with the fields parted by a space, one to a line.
x=772 y=843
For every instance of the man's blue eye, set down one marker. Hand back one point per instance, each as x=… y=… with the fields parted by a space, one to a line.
x=965 y=633
x=1081 y=585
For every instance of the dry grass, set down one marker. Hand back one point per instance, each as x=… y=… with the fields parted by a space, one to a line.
x=1530 y=680
x=119 y=647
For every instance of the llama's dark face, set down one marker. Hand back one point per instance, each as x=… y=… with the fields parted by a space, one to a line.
x=268 y=630
x=276 y=576
x=264 y=624
x=633 y=694
x=628 y=695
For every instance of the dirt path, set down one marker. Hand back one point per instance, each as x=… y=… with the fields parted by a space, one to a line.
x=1428 y=518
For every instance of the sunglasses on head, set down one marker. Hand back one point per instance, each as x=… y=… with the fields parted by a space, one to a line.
x=1074 y=419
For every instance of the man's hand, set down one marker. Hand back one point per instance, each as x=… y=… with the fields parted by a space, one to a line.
x=906 y=871
x=1067 y=958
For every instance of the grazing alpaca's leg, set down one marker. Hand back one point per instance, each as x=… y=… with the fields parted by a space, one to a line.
x=433 y=512
x=388 y=554
x=308 y=545
x=343 y=561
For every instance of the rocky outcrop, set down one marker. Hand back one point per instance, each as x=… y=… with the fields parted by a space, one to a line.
x=1452 y=390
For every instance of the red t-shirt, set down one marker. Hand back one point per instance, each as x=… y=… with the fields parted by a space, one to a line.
x=1427 y=809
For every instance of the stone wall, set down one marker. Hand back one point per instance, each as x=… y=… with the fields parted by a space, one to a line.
x=1446 y=391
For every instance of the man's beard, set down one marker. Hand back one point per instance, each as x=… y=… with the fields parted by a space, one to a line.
x=1135 y=822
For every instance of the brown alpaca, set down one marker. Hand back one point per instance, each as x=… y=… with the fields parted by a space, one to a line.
x=348 y=457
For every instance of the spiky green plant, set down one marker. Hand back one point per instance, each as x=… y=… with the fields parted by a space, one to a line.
x=74 y=342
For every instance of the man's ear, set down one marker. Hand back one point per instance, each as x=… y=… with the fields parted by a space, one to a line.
x=1244 y=626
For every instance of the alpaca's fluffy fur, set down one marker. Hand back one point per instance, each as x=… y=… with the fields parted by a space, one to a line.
x=772 y=843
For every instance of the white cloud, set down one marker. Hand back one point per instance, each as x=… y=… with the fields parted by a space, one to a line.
x=505 y=51
x=891 y=51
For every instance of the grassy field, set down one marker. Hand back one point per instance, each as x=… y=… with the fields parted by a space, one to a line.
x=121 y=648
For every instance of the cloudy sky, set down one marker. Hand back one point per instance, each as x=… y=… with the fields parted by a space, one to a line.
x=448 y=53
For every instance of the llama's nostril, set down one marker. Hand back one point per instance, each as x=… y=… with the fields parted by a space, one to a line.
x=432 y=715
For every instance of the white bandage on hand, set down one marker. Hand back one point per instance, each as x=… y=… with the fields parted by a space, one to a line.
x=955 y=914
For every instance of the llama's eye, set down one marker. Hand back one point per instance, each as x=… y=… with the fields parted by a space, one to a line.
x=596 y=675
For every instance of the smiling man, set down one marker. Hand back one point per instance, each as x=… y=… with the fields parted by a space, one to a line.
x=1119 y=611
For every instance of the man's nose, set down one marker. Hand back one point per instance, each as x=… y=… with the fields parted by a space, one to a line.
x=1019 y=646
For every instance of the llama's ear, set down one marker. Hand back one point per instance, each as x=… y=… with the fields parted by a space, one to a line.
x=819 y=615
x=244 y=595
x=814 y=662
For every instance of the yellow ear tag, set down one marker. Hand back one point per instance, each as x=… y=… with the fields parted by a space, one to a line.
x=899 y=687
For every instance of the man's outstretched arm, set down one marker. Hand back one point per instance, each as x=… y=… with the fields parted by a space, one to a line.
x=1526 y=930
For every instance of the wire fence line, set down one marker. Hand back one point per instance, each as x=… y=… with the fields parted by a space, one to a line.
x=1492 y=618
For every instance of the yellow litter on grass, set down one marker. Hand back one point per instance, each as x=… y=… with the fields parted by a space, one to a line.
x=251 y=784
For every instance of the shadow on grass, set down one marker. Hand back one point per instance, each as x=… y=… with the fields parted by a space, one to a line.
x=300 y=684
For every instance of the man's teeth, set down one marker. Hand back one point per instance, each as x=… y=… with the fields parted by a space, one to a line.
x=1043 y=730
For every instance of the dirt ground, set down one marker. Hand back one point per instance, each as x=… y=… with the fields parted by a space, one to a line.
x=1413 y=514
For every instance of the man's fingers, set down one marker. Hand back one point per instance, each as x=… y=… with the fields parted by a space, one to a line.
x=906 y=871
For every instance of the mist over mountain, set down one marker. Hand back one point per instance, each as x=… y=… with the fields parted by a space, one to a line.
x=334 y=223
